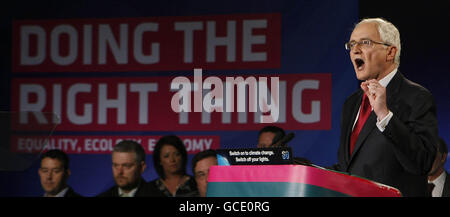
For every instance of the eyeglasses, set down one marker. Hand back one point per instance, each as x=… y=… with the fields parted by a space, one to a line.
x=365 y=43
x=202 y=174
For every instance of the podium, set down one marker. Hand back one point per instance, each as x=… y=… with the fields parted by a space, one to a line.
x=290 y=181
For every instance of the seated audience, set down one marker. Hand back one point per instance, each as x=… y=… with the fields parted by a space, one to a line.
x=201 y=163
x=54 y=173
x=128 y=164
x=438 y=179
x=170 y=160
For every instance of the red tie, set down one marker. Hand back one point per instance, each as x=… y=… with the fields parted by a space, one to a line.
x=364 y=113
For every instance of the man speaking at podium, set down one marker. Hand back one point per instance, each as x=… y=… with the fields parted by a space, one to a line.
x=388 y=126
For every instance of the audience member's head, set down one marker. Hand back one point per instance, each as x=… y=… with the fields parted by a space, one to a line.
x=54 y=171
x=170 y=156
x=268 y=135
x=201 y=163
x=439 y=161
x=128 y=164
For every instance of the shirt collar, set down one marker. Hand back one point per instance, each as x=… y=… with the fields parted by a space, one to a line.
x=129 y=194
x=440 y=180
x=385 y=81
x=439 y=185
x=60 y=194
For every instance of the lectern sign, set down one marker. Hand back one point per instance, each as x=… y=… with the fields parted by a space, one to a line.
x=255 y=156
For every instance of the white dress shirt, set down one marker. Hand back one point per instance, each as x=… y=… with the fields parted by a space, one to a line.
x=60 y=194
x=438 y=185
x=129 y=194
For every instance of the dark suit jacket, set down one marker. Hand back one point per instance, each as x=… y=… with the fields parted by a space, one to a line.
x=72 y=193
x=446 y=191
x=144 y=190
x=403 y=153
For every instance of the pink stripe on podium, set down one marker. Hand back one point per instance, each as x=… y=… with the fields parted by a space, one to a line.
x=335 y=181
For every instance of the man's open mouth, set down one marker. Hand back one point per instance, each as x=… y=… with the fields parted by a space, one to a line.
x=359 y=63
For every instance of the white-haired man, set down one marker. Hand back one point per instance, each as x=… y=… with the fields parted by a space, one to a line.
x=389 y=126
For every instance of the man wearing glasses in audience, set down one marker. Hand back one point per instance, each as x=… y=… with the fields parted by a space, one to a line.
x=201 y=163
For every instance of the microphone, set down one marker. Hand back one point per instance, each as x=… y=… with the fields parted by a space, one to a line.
x=283 y=141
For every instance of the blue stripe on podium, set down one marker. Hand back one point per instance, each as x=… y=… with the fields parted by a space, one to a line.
x=268 y=189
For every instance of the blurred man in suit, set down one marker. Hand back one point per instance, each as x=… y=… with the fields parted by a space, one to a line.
x=54 y=173
x=438 y=179
x=269 y=135
x=388 y=126
x=273 y=136
x=201 y=163
x=128 y=164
